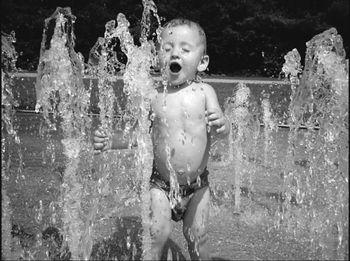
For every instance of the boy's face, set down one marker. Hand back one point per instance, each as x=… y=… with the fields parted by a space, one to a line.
x=182 y=54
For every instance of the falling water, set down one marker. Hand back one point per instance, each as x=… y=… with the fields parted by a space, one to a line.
x=139 y=89
x=270 y=128
x=319 y=104
x=8 y=61
x=241 y=110
x=240 y=113
x=62 y=97
x=105 y=71
x=314 y=189
x=314 y=194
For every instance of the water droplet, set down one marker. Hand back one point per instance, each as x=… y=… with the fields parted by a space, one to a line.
x=199 y=181
x=128 y=242
x=188 y=180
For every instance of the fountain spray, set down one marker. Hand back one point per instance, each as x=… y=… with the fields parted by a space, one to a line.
x=62 y=97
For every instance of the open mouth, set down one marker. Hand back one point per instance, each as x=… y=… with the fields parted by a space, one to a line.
x=175 y=67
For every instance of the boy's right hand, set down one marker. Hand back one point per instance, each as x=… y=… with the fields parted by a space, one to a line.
x=101 y=141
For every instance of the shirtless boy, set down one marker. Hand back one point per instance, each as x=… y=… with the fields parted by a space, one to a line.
x=182 y=127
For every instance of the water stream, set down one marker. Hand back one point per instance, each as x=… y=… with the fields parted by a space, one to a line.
x=308 y=180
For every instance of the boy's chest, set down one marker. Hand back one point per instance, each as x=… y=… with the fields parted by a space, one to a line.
x=179 y=105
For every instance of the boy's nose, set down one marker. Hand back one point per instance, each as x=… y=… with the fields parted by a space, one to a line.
x=175 y=54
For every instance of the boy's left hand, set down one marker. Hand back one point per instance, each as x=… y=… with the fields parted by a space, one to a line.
x=216 y=118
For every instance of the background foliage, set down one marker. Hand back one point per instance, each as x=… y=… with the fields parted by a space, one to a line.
x=245 y=37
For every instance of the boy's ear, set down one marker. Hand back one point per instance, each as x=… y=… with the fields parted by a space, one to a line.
x=203 y=64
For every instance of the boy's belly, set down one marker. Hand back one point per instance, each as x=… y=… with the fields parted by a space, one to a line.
x=188 y=157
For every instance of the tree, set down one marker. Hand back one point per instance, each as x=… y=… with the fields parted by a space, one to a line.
x=245 y=37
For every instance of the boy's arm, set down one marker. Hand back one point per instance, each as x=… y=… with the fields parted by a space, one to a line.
x=118 y=140
x=214 y=114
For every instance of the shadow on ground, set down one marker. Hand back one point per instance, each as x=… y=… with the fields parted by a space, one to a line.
x=125 y=243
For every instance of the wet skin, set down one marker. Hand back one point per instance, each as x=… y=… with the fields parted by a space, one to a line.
x=183 y=114
x=180 y=131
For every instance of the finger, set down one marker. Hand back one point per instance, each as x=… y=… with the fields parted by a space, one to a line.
x=216 y=122
x=96 y=152
x=100 y=139
x=214 y=116
x=98 y=146
x=213 y=110
x=221 y=129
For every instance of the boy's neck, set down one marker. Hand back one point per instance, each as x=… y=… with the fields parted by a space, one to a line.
x=180 y=86
x=184 y=84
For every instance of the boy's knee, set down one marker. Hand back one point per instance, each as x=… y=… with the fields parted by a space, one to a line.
x=193 y=234
x=160 y=232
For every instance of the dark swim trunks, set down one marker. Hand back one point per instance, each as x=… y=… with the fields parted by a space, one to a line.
x=185 y=191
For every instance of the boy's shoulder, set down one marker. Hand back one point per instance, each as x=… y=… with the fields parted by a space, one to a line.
x=207 y=88
x=204 y=85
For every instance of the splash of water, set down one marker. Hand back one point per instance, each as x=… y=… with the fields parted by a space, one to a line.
x=321 y=190
x=8 y=66
x=270 y=127
x=320 y=100
x=63 y=98
x=139 y=90
x=237 y=110
x=104 y=65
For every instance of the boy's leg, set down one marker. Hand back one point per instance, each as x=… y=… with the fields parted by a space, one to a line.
x=160 y=221
x=195 y=224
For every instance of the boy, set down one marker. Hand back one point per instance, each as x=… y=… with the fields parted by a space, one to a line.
x=181 y=124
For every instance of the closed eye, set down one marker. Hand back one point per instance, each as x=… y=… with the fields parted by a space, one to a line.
x=167 y=47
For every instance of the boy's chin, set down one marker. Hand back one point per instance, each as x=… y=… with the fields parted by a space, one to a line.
x=179 y=81
x=176 y=83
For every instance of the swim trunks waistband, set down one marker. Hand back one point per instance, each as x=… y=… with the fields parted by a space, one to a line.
x=185 y=190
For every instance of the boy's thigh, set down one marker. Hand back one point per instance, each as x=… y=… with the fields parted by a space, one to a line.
x=197 y=213
x=160 y=206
